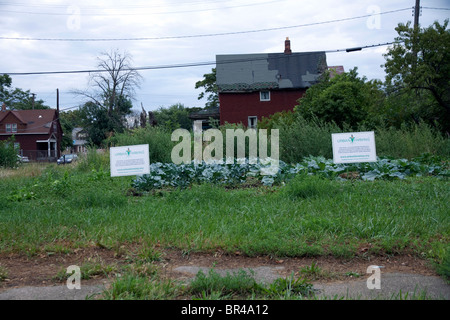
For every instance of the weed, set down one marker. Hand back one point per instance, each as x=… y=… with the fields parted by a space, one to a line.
x=131 y=287
x=3 y=273
x=238 y=283
x=91 y=269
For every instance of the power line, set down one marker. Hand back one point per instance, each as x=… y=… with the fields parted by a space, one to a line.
x=432 y=8
x=141 y=13
x=127 y=5
x=203 y=35
x=187 y=65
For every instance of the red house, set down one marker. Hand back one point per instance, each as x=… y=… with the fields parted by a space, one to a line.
x=37 y=133
x=252 y=86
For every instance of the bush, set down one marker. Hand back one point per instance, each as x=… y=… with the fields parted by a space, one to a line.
x=411 y=141
x=8 y=154
x=158 y=139
x=94 y=160
x=304 y=138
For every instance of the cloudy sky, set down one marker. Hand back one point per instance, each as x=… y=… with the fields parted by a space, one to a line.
x=64 y=35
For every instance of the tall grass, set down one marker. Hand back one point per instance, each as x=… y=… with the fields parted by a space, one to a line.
x=308 y=216
x=158 y=139
x=94 y=160
x=299 y=138
x=303 y=138
x=411 y=142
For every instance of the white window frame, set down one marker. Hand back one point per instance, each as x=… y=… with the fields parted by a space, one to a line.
x=11 y=128
x=263 y=98
x=255 y=118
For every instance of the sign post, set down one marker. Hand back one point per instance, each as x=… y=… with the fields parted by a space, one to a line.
x=130 y=160
x=354 y=147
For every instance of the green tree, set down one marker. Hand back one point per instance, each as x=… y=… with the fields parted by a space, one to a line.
x=209 y=85
x=419 y=64
x=5 y=86
x=69 y=120
x=16 y=98
x=99 y=124
x=345 y=99
x=174 y=117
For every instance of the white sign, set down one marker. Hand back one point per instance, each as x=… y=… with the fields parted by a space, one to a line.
x=354 y=147
x=130 y=160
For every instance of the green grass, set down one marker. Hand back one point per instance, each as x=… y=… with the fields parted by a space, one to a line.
x=239 y=285
x=65 y=208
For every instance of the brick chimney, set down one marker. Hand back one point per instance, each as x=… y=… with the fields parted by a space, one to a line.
x=3 y=107
x=287 y=46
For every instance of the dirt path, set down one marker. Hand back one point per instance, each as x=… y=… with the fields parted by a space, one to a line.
x=41 y=270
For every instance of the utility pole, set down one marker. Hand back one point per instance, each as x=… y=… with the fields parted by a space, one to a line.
x=34 y=98
x=415 y=33
x=416 y=14
x=57 y=102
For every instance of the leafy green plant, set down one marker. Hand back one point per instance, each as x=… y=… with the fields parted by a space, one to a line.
x=132 y=287
x=3 y=273
x=149 y=254
x=22 y=195
x=443 y=268
x=289 y=287
x=239 y=283
x=164 y=175
x=8 y=154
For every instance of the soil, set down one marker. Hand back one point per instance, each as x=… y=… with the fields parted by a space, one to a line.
x=41 y=269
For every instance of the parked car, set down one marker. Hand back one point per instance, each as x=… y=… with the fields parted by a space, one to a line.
x=22 y=158
x=67 y=158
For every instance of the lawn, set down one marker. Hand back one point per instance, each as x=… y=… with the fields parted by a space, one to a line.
x=62 y=208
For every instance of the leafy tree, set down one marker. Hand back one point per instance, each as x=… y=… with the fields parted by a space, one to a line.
x=5 y=85
x=210 y=87
x=69 y=120
x=17 y=98
x=343 y=99
x=174 y=117
x=99 y=125
x=419 y=64
x=283 y=118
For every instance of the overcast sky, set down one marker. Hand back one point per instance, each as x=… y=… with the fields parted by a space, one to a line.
x=189 y=31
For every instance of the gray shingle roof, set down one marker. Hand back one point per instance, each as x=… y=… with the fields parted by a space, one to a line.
x=254 y=72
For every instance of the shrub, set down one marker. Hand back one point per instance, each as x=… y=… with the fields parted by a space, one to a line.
x=94 y=160
x=411 y=141
x=304 y=138
x=8 y=154
x=158 y=139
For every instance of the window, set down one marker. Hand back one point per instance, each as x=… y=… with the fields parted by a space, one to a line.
x=252 y=122
x=11 y=127
x=264 y=96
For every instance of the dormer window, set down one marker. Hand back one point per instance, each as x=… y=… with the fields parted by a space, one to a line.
x=11 y=127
